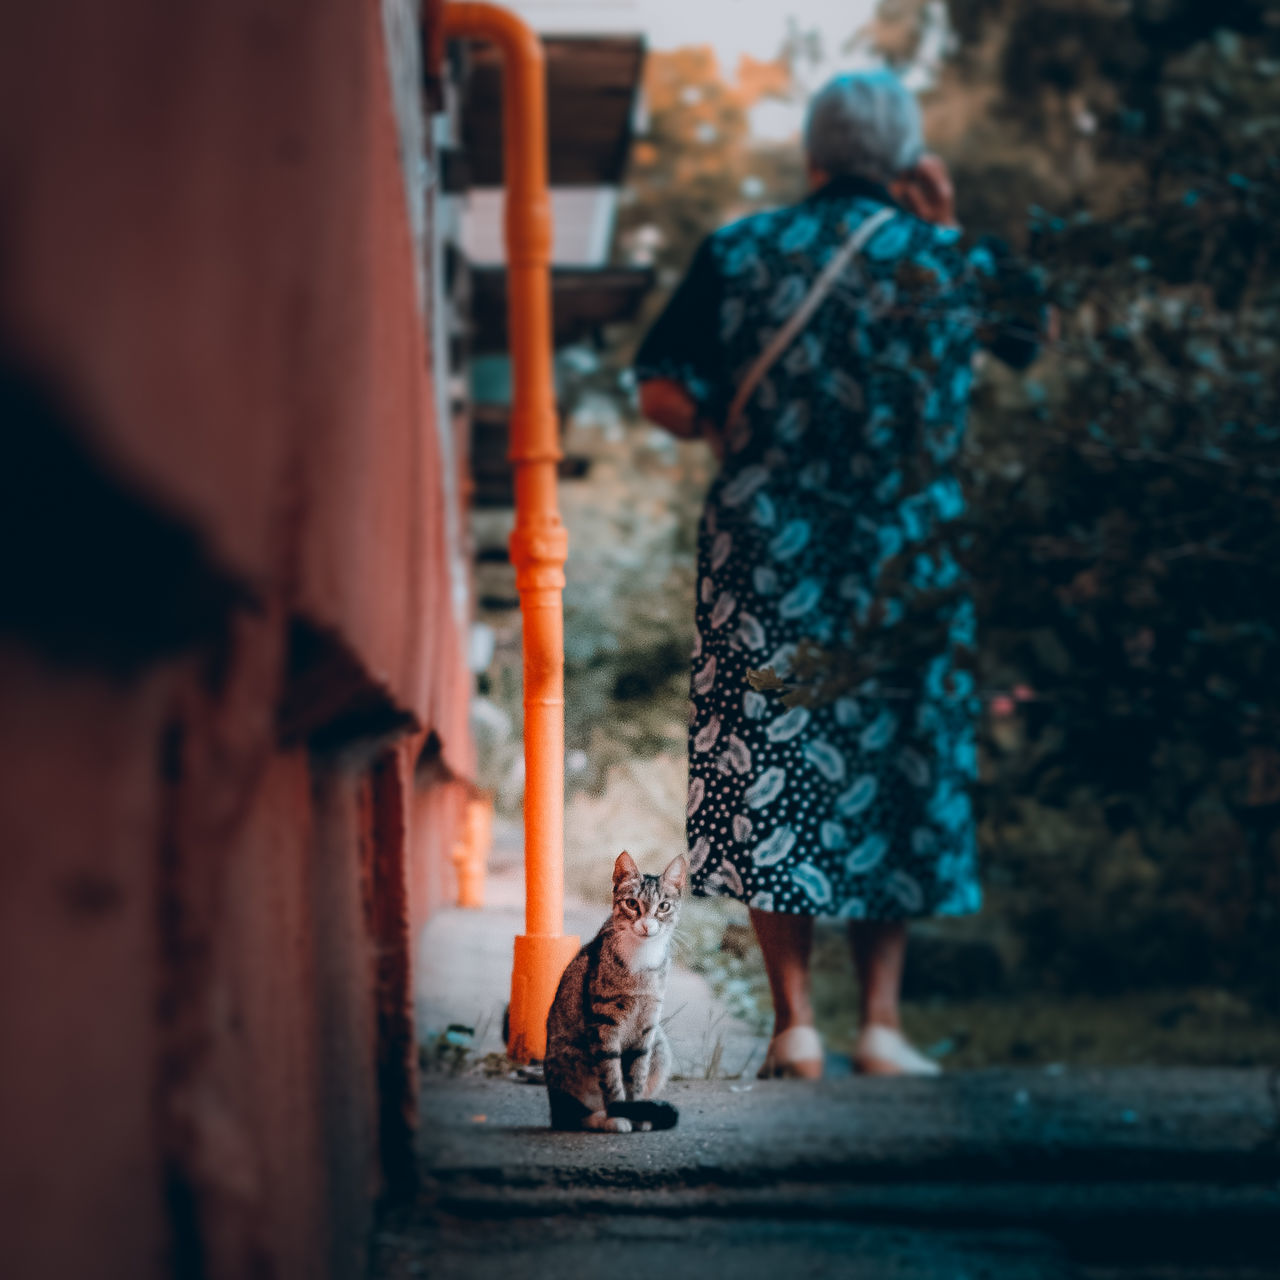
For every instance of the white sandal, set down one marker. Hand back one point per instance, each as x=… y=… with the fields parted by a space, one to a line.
x=882 y=1051
x=793 y=1055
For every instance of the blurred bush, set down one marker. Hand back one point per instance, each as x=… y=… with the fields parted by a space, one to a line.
x=1126 y=511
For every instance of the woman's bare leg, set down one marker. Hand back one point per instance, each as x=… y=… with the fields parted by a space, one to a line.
x=879 y=952
x=786 y=941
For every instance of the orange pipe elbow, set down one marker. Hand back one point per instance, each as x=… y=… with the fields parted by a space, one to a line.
x=539 y=543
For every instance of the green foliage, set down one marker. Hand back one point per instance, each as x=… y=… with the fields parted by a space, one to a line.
x=1126 y=505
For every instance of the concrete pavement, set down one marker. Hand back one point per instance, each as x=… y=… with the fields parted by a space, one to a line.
x=1003 y=1174
x=1006 y=1175
x=1134 y=1124
x=591 y=1247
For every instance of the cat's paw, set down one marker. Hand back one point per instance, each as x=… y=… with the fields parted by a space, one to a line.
x=603 y=1123
x=644 y=1127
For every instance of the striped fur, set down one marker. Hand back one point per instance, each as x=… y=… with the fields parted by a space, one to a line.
x=607 y=1055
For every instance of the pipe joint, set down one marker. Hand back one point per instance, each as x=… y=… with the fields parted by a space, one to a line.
x=537 y=547
x=535 y=437
x=529 y=232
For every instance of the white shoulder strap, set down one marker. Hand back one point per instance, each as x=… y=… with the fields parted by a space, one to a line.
x=800 y=317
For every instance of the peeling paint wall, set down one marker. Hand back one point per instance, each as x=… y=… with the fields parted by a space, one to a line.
x=231 y=671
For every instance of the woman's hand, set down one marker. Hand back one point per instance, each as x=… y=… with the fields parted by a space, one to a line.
x=926 y=190
x=669 y=405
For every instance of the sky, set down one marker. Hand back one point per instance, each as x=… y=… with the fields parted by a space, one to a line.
x=731 y=27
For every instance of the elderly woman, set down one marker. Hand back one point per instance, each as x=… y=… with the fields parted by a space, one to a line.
x=826 y=350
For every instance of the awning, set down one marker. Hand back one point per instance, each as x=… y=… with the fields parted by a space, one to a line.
x=591 y=92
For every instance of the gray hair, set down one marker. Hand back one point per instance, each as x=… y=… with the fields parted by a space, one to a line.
x=865 y=123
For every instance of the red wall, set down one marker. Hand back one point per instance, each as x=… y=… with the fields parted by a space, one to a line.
x=225 y=637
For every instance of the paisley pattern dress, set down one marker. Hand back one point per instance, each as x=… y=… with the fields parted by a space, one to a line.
x=835 y=779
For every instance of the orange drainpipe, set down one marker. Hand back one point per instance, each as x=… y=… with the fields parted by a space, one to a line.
x=539 y=543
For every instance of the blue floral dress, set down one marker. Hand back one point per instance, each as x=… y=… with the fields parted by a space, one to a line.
x=833 y=709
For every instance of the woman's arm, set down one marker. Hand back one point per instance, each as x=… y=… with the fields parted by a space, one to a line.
x=1019 y=320
x=679 y=363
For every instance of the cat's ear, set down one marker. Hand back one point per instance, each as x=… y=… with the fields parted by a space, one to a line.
x=676 y=874
x=625 y=871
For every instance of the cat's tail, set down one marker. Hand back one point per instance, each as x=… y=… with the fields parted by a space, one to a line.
x=568 y=1113
x=661 y=1115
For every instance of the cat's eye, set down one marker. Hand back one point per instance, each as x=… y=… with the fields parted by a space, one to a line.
x=631 y=904
x=664 y=906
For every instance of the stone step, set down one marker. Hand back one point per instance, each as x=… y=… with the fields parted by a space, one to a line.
x=695 y=1249
x=1133 y=1172
x=1108 y=1126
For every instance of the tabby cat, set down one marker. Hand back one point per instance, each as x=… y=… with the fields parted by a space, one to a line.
x=607 y=1055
